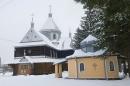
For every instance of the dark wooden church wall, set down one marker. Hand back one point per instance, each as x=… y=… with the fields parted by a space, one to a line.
x=15 y=69
x=43 y=68
x=42 y=51
x=30 y=51
x=33 y=51
x=47 y=51
x=64 y=53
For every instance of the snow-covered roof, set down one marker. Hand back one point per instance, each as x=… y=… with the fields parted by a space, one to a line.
x=80 y=53
x=34 y=59
x=60 y=61
x=89 y=38
x=30 y=44
x=64 y=43
x=34 y=38
x=31 y=36
x=50 y=25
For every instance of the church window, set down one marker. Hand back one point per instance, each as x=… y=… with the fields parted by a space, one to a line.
x=111 y=66
x=81 y=67
x=54 y=36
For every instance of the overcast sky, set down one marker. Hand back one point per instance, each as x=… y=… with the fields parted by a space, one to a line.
x=15 y=16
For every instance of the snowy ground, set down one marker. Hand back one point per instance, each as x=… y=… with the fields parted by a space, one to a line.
x=50 y=80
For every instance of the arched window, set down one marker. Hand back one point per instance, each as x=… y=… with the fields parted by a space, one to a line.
x=54 y=36
x=81 y=67
x=111 y=66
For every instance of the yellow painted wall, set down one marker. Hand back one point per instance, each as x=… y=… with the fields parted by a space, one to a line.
x=58 y=70
x=90 y=71
x=72 y=71
x=113 y=74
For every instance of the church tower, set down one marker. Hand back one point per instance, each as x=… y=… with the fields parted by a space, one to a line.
x=51 y=30
x=31 y=35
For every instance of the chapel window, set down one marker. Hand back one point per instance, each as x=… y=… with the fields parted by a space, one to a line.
x=54 y=36
x=81 y=67
x=111 y=66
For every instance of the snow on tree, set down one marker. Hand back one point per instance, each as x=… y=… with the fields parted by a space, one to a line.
x=91 y=23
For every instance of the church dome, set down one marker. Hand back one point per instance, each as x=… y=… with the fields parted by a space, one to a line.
x=89 y=39
x=88 y=44
x=51 y=30
x=50 y=25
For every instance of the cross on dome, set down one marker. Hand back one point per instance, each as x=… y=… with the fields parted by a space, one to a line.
x=50 y=13
x=32 y=22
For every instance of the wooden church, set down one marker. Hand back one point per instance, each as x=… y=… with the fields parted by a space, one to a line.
x=38 y=50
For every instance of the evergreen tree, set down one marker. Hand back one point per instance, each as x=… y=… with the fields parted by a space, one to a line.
x=91 y=23
x=77 y=38
x=116 y=28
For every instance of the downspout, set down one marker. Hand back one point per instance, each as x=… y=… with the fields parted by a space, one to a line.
x=77 y=71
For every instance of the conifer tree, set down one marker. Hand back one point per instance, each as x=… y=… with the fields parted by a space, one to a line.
x=91 y=23
x=116 y=28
